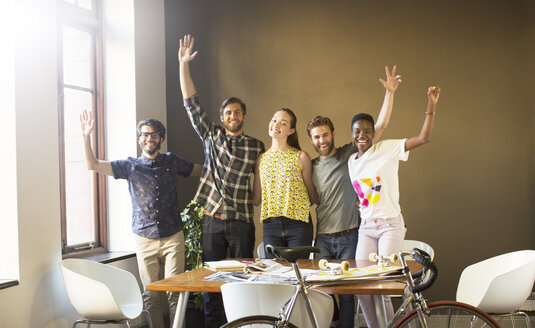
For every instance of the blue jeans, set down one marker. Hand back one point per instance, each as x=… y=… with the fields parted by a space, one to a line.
x=341 y=246
x=281 y=231
x=217 y=236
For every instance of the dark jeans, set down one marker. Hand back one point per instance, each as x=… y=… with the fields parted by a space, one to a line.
x=341 y=247
x=218 y=236
x=281 y=231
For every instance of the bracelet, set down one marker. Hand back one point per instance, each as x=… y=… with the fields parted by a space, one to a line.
x=430 y=113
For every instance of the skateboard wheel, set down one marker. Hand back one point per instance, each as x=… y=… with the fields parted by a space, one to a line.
x=345 y=265
x=322 y=264
x=373 y=257
x=394 y=257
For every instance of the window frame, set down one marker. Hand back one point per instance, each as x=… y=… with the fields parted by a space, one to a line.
x=72 y=16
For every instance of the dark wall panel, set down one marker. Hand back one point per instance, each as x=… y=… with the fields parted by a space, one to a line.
x=470 y=192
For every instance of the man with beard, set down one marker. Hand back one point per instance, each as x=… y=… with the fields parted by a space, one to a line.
x=225 y=188
x=337 y=216
x=152 y=182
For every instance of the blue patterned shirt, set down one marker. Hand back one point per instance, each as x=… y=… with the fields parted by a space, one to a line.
x=152 y=185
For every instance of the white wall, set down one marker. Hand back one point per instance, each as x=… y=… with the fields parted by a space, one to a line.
x=8 y=195
x=40 y=300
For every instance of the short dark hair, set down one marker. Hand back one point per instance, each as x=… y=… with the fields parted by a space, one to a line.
x=155 y=124
x=365 y=117
x=319 y=121
x=232 y=100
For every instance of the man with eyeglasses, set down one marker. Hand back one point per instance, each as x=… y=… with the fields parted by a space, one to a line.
x=152 y=182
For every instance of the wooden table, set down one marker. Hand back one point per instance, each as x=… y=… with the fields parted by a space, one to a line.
x=193 y=281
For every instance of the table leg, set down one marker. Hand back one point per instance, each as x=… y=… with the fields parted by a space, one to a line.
x=380 y=310
x=180 y=314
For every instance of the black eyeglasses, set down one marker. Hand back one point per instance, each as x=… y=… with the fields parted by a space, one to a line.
x=154 y=135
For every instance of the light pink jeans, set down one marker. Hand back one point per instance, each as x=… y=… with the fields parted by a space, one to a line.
x=384 y=237
x=151 y=255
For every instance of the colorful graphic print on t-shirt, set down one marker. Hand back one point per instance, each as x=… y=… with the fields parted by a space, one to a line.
x=368 y=190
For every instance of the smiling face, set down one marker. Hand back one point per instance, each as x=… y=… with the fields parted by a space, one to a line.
x=362 y=133
x=322 y=139
x=149 y=141
x=280 y=125
x=233 y=119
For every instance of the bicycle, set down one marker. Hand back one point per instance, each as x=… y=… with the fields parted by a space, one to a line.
x=439 y=314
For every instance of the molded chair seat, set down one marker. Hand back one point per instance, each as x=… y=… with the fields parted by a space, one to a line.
x=408 y=245
x=499 y=285
x=101 y=293
x=248 y=298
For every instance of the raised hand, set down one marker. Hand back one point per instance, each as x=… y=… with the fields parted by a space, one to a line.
x=185 y=51
x=392 y=80
x=87 y=123
x=433 y=93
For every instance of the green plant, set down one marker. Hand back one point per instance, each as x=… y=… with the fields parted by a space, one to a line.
x=192 y=218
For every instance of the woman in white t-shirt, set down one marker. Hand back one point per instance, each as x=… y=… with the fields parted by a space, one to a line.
x=373 y=170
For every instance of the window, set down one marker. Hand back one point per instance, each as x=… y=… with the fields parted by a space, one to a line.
x=83 y=211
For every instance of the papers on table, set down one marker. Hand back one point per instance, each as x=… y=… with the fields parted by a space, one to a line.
x=273 y=272
x=353 y=273
x=225 y=264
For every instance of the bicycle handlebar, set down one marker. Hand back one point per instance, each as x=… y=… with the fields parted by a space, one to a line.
x=424 y=259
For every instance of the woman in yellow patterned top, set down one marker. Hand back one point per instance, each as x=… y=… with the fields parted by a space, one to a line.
x=283 y=185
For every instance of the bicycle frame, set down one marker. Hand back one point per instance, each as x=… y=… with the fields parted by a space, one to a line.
x=414 y=298
x=300 y=289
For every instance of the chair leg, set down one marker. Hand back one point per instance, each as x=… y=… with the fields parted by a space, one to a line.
x=357 y=310
x=528 y=325
x=149 y=319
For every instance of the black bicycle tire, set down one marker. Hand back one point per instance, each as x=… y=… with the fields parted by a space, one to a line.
x=255 y=319
x=441 y=306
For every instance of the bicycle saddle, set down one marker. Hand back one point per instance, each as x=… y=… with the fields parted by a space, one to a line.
x=290 y=254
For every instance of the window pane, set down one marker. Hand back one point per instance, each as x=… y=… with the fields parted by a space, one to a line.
x=78 y=180
x=77 y=57
x=86 y=4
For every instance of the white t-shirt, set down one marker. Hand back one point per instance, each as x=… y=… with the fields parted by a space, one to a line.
x=374 y=177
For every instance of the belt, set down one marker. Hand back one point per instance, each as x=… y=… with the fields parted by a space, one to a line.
x=343 y=233
x=215 y=215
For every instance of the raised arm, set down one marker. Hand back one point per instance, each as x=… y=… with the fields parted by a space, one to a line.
x=185 y=55
x=87 y=125
x=305 y=164
x=391 y=85
x=427 y=128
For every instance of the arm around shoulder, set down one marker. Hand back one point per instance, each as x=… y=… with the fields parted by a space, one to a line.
x=257 y=184
x=305 y=164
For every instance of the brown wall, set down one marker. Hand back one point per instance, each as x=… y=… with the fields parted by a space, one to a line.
x=470 y=192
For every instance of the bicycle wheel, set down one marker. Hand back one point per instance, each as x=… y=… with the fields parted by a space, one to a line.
x=449 y=314
x=256 y=321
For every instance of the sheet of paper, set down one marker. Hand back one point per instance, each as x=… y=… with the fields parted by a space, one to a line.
x=225 y=264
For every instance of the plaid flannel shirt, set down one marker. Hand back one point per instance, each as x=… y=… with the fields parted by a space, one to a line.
x=228 y=166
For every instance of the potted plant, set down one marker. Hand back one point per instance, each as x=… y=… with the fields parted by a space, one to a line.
x=192 y=218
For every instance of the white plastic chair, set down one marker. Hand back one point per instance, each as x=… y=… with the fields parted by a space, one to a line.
x=248 y=298
x=408 y=245
x=499 y=285
x=261 y=251
x=101 y=293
